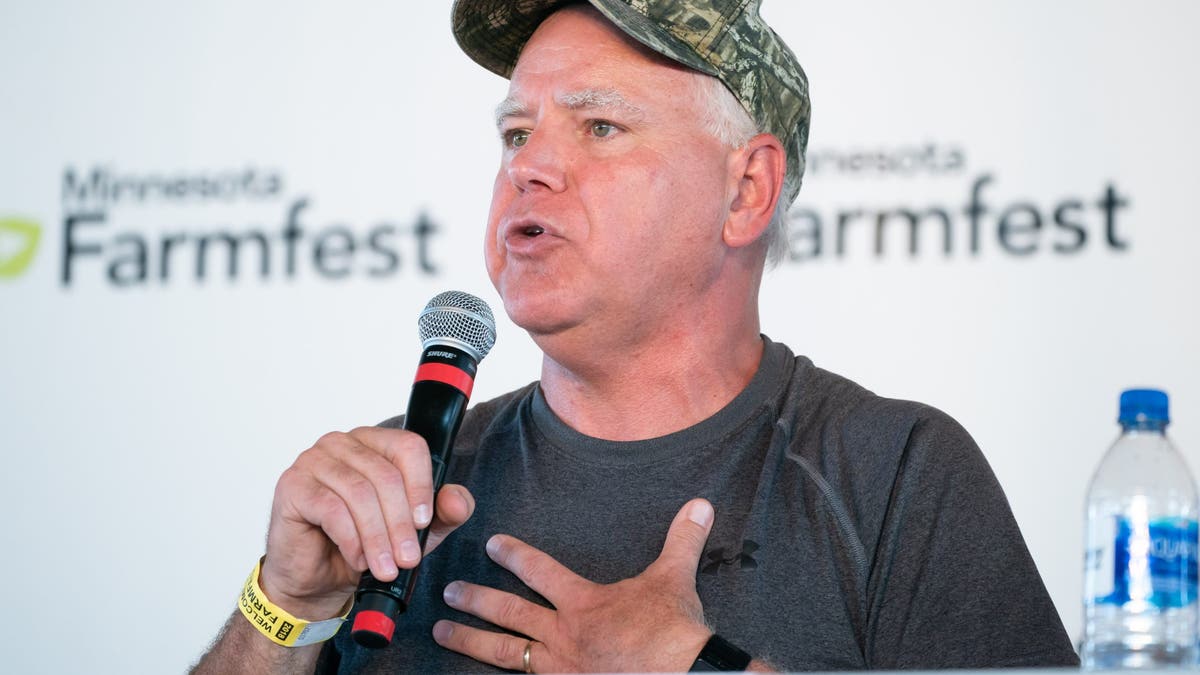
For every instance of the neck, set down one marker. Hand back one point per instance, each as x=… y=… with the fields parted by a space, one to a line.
x=656 y=386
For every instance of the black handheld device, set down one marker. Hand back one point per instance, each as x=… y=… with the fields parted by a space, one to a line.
x=457 y=330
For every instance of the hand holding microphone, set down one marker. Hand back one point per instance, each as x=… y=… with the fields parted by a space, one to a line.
x=364 y=500
x=457 y=331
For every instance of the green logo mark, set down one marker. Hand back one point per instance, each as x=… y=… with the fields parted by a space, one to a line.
x=18 y=242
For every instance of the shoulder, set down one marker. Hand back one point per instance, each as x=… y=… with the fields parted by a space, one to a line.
x=886 y=457
x=819 y=404
x=869 y=449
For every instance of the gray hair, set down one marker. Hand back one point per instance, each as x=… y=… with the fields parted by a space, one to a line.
x=726 y=119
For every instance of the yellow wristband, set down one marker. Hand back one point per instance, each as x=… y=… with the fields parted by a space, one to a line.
x=277 y=624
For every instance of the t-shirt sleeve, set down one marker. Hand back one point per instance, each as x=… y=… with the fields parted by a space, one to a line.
x=952 y=584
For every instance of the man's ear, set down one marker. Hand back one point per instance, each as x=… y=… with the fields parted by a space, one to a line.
x=756 y=174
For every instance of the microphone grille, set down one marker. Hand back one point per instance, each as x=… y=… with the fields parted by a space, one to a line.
x=459 y=320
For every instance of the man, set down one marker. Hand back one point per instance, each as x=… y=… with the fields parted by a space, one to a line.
x=647 y=148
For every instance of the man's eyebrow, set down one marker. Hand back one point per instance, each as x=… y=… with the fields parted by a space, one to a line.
x=584 y=99
x=602 y=99
x=509 y=107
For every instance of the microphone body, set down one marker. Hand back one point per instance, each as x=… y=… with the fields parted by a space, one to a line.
x=460 y=339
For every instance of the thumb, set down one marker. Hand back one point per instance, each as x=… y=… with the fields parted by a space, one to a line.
x=453 y=507
x=686 y=537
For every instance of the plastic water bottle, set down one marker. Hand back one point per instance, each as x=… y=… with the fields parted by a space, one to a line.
x=1139 y=589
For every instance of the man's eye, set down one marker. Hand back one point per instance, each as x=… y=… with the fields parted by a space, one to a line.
x=602 y=129
x=516 y=138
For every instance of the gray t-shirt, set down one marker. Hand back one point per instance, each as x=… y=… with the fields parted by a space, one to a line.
x=852 y=531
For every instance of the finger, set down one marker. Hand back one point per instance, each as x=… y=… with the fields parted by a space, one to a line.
x=502 y=609
x=538 y=570
x=333 y=468
x=309 y=505
x=409 y=453
x=327 y=511
x=499 y=649
x=685 y=538
x=454 y=507
x=314 y=559
x=394 y=462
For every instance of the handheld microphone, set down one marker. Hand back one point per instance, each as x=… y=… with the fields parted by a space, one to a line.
x=457 y=330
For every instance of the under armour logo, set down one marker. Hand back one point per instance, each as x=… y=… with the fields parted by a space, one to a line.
x=721 y=556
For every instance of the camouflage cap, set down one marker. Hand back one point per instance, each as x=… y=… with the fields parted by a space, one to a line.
x=723 y=38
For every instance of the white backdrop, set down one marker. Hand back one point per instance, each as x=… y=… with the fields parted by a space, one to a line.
x=145 y=414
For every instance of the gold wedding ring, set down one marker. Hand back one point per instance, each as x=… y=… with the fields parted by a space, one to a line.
x=525 y=657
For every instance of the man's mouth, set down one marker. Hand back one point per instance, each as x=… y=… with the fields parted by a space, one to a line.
x=526 y=231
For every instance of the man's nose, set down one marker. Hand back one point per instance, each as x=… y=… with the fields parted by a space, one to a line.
x=541 y=163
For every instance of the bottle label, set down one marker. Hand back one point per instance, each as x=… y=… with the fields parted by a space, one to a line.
x=1153 y=563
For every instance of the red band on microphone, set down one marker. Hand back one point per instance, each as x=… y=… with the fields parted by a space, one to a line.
x=376 y=622
x=446 y=374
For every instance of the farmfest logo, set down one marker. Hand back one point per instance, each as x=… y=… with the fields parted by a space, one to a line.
x=126 y=229
x=131 y=229
x=981 y=221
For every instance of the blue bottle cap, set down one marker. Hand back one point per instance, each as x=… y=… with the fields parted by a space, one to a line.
x=1143 y=405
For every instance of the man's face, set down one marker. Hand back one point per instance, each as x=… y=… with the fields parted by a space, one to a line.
x=608 y=206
